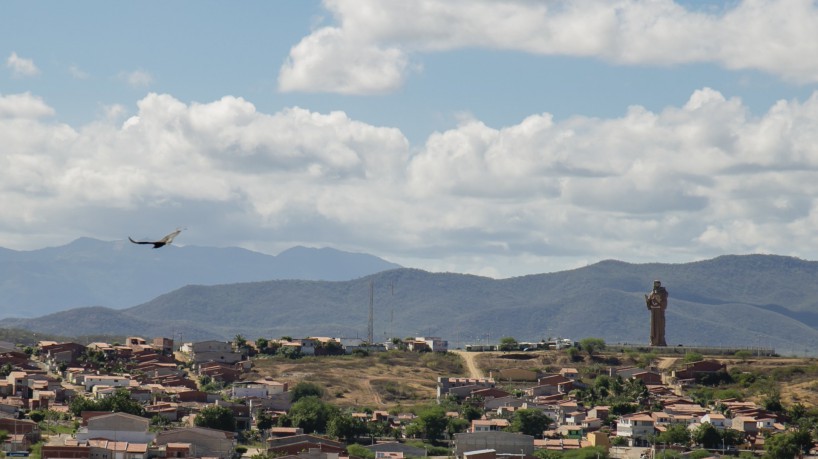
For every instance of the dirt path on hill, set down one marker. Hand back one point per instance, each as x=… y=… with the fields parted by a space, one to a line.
x=666 y=362
x=471 y=366
x=373 y=393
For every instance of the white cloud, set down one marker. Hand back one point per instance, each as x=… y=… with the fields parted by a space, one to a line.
x=683 y=183
x=368 y=51
x=77 y=73
x=327 y=62
x=21 y=67
x=137 y=78
x=23 y=106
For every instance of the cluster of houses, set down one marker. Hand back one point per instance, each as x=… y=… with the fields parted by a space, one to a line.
x=576 y=426
x=164 y=380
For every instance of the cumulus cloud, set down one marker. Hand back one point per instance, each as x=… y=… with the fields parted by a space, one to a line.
x=23 y=106
x=686 y=182
x=21 y=67
x=327 y=62
x=369 y=49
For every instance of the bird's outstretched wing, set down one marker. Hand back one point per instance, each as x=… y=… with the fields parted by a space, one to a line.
x=161 y=242
x=169 y=238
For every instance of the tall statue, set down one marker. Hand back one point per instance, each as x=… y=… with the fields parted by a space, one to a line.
x=657 y=303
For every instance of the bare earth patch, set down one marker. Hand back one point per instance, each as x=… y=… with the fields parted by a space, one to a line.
x=379 y=381
x=386 y=380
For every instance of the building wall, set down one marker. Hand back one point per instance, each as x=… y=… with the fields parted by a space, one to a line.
x=211 y=444
x=211 y=346
x=502 y=442
x=65 y=452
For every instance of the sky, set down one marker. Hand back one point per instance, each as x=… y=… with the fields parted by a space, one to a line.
x=490 y=137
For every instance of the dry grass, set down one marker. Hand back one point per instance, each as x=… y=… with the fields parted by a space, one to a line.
x=380 y=381
x=406 y=379
x=795 y=376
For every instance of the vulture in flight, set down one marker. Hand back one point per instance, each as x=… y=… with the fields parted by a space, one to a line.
x=161 y=242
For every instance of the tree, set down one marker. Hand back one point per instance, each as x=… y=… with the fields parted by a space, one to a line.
x=290 y=352
x=216 y=417
x=119 y=401
x=592 y=345
x=5 y=370
x=433 y=421
x=772 y=402
x=619 y=441
x=344 y=426
x=261 y=344
x=380 y=429
x=529 y=422
x=470 y=412
x=79 y=404
x=675 y=433
x=781 y=446
x=730 y=437
x=306 y=389
x=706 y=435
x=646 y=359
x=414 y=429
x=159 y=421
x=311 y=414
x=457 y=425
x=691 y=357
x=360 y=451
x=264 y=420
x=572 y=353
x=508 y=344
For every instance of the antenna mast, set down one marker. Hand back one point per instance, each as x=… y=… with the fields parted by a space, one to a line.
x=370 y=335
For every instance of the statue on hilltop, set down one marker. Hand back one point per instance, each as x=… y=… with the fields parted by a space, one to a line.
x=657 y=303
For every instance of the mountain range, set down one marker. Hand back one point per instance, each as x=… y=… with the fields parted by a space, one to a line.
x=733 y=300
x=118 y=274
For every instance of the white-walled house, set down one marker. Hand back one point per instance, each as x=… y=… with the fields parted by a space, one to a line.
x=717 y=420
x=637 y=428
x=106 y=380
x=120 y=427
x=259 y=389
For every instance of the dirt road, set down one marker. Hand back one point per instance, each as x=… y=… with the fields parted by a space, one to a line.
x=471 y=366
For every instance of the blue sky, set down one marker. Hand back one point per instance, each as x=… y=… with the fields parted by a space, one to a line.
x=498 y=138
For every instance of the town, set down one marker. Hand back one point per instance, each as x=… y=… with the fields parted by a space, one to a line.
x=143 y=399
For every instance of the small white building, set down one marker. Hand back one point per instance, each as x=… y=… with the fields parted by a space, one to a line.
x=263 y=388
x=106 y=380
x=117 y=427
x=435 y=343
x=637 y=428
x=717 y=420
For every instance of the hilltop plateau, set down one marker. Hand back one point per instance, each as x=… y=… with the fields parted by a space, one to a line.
x=408 y=379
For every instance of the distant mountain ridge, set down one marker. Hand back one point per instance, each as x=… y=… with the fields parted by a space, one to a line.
x=747 y=300
x=117 y=274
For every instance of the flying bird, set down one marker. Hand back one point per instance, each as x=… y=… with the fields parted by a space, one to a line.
x=161 y=242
